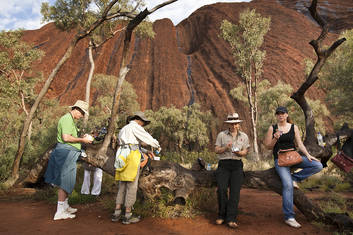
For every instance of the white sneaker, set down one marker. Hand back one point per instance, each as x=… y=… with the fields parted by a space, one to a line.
x=71 y=210
x=63 y=215
x=293 y=223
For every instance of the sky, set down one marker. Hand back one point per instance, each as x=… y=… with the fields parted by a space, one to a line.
x=25 y=14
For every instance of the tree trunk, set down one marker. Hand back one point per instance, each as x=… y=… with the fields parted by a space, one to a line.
x=253 y=118
x=89 y=80
x=322 y=55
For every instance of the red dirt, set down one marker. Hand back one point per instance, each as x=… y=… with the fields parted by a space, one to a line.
x=260 y=214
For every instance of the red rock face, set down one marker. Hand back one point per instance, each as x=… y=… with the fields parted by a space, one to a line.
x=338 y=13
x=189 y=62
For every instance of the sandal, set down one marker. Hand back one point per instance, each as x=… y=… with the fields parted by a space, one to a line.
x=232 y=225
x=219 y=221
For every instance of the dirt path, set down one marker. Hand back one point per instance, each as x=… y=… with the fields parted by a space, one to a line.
x=261 y=213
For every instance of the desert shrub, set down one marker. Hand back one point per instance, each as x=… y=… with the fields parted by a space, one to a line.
x=180 y=129
x=335 y=203
x=43 y=135
x=189 y=157
x=337 y=79
x=251 y=165
x=100 y=110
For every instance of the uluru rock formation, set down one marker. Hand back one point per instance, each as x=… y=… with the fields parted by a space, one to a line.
x=189 y=62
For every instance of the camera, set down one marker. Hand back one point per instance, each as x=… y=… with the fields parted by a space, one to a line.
x=235 y=149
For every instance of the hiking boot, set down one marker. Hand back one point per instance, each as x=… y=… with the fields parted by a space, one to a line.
x=71 y=210
x=131 y=219
x=63 y=215
x=293 y=223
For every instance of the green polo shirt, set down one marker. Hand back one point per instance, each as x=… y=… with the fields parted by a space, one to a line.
x=66 y=125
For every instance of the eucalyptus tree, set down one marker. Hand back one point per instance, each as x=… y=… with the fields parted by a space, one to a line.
x=246 y=39
x=18 y=80
x=17 y=90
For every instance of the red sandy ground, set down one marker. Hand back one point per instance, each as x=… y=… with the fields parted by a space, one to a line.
x=261 y=213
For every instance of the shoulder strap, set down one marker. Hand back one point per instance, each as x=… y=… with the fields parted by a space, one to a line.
x=274 y=127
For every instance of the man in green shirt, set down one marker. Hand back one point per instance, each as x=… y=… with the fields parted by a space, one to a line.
x=61 y=170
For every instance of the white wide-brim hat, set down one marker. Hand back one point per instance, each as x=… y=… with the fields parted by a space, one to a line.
x=83 y=105
x=233 y=118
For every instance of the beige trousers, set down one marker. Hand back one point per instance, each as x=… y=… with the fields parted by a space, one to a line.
x=127 y=192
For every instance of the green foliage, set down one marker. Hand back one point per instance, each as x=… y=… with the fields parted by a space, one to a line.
x=335 y=203
x=43 y=136
x=145 y=30
x=245 y=39
x=17 y=80
x=17 y=93
x=68 y=14
x=81 y=14
x=337 y=77
x=309 y=65
x=189 y=157
x=180 y=128
x=270 y=97
x=100 y=111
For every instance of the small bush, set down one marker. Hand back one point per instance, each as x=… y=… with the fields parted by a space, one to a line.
x=187 y=157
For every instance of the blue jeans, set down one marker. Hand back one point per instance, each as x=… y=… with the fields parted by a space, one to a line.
x=308 y=168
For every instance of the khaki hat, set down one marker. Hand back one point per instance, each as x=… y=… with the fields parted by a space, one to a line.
x=140 y=115
x=81 y=105
x=233 y=118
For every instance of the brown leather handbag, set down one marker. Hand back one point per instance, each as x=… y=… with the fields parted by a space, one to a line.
x=288 y=157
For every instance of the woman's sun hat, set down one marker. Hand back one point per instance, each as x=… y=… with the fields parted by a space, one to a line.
x=233 y=118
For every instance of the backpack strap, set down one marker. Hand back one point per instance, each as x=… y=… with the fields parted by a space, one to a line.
x=274 y=127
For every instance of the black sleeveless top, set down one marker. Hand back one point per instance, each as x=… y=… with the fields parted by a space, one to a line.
x=286 y=141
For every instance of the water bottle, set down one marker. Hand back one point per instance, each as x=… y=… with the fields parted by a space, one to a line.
x=208 y=167
x=320 y=139
x=156 y=152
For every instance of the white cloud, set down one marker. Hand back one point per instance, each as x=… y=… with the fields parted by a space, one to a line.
x=181 y=9
x=25 y=14
x=16 y=14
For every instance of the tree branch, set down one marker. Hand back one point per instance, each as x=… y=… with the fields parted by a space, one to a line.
x=298 y=96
